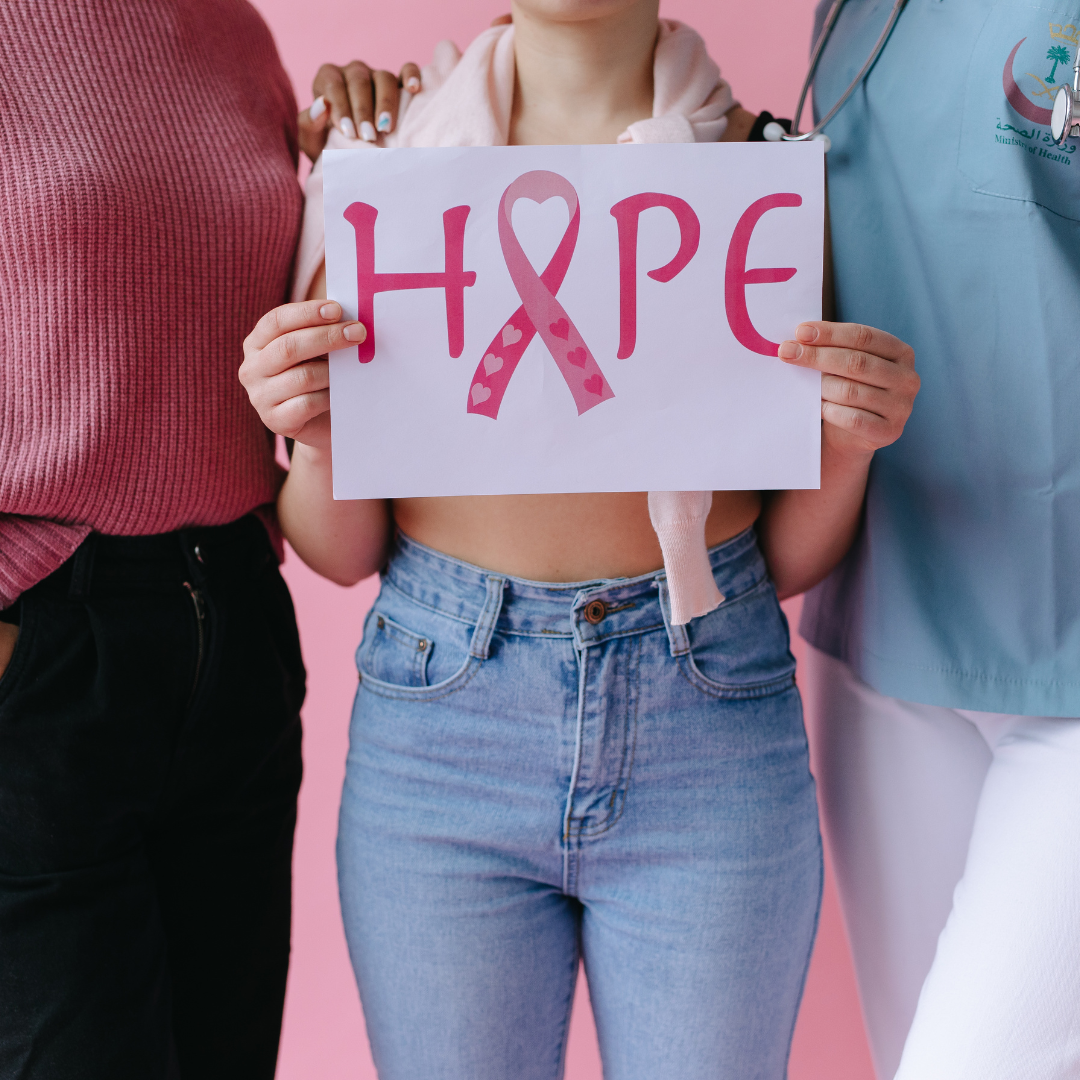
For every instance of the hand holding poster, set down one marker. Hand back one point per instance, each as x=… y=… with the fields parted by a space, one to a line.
x=574 y=318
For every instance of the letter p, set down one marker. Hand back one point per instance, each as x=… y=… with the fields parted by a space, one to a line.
x=626 y=215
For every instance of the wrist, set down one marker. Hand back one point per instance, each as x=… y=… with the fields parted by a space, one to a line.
x=309 y=456
x=849 y=459
x=844 y=470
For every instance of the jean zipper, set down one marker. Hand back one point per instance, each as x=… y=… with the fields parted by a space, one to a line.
x=200 y=624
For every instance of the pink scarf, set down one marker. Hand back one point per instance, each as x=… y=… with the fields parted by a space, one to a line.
x=466 y=101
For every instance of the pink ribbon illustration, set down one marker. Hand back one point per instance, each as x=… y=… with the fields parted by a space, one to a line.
x=540 y=312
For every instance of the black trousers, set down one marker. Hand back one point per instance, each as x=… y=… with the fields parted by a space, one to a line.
x=149 y=768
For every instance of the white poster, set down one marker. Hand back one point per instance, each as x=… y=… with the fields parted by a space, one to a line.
x=574 y=318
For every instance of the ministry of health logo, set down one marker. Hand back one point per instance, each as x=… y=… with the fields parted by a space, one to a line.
x=1057 y=56
x=1041 y=85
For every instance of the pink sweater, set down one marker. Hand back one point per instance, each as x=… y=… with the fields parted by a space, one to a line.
x=149 y=211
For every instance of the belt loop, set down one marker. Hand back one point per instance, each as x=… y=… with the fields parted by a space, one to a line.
x=678 y=639
x=489 y=615
x=188 y=547
x=82 y=568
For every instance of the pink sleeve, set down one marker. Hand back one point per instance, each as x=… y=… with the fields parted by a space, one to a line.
x=311 y=251
x=679 y=520
x=312 y=247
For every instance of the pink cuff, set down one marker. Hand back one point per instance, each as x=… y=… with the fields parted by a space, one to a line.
x=31 y=549
x=679 y=520
x=311 y=251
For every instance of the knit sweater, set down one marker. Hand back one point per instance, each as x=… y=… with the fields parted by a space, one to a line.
x=149 y=211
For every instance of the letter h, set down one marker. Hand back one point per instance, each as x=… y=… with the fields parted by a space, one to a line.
x=453 y=280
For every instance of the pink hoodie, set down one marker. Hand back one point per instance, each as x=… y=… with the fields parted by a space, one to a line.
x=466 y=101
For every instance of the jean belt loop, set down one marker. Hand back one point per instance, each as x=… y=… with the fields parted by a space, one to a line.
x=489 y=615
x=677 y=636
x=193 y=556
x=82 y=568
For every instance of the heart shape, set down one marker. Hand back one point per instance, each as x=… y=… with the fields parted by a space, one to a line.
x=577 y=357
x=595 y=385
x=481 y=393
x=510 y=335
x=560 y=329
x=492 y=363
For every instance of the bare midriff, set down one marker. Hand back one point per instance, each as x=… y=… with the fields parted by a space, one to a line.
x=560 y=537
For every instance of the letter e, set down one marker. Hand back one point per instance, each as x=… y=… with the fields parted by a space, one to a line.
x=737 y=277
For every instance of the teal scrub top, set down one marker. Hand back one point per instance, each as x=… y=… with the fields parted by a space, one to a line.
x=956 y=226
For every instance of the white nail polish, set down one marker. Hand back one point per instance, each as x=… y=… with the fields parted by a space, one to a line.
x=318 y=107
x=367 y=131
x=384 y=122
x=348 y=128
x=413 y=84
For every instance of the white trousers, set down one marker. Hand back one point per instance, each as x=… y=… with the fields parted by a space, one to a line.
x=956 y=841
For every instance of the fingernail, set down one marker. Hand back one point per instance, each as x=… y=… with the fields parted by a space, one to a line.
x=367 y=132
x=330 y=311
x=384 y=121
x=412 y=84
x=807 y=333
x=789 y=350
x=356 y=332
x=318 y=107
x=348 y=128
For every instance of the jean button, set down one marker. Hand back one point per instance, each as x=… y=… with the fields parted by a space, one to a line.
x=595 y=611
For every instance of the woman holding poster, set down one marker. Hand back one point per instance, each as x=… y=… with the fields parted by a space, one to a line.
x=577 y=733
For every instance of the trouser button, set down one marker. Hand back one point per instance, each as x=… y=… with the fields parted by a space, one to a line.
x=595 y=611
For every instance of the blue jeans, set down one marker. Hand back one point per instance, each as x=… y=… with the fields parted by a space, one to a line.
x=540 y=773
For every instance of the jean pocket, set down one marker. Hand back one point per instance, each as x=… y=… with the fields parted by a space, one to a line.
x=397 y=661
x=742 y=649
x=19 y=655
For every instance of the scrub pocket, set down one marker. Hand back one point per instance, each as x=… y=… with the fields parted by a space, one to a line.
x=1023 y=52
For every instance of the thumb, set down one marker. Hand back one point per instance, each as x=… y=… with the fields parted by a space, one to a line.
x=312 y=128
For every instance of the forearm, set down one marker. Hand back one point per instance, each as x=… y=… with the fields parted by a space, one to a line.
x=345 y=541
x=804 y=534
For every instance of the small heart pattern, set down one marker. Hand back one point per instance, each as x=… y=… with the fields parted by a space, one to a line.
x=560 y=329
x=594 y=384
x=511 y=335
x=480 y=393
x=492 y=363
x=577 y=356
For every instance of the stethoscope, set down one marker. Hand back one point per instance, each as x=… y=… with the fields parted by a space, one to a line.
x=1064 y=120
x=775 y=133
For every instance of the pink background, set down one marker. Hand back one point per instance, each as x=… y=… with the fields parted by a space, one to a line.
x=324 y=1030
